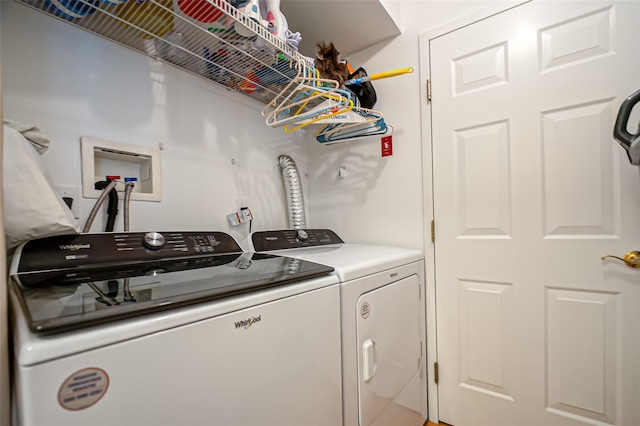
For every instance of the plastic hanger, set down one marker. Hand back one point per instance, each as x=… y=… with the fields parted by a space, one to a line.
x=299 y=88
x=325 y=104
x=357 y=131
x=383 y=131
x=338 y=101
x=331 y=112
x=360 y=121
x=310 y=97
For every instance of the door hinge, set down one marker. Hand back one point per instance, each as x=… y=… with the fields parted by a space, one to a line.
x=428 y=90
x=433 y=231
x=435 y=373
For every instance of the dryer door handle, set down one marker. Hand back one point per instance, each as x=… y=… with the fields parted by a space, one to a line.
x=368 y=360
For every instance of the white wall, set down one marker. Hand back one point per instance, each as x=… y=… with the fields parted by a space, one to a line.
x=71 y=83
x=380 y=200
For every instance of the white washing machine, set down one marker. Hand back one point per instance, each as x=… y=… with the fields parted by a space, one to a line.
x=179 y=328
x=383 y=322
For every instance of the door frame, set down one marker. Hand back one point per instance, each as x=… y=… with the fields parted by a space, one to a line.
x=427 y=181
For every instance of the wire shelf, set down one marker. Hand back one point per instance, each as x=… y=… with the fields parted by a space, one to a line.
x=220 y=44
x=214 y=40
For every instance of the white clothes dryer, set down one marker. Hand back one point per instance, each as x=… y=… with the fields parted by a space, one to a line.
x=382 y=291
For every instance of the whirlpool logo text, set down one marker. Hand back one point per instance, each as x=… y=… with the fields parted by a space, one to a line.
x=73 y=247
x=246 y=323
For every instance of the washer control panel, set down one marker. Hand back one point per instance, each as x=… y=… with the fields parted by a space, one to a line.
x=293 y=238
x=68 y=251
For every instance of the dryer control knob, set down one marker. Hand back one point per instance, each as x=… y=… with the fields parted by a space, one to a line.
x=153 y=240
x=301 y=235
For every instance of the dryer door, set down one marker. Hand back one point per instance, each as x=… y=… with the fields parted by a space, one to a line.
x=388 y=332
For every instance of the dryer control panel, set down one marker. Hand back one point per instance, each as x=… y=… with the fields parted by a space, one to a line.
x=293 y=238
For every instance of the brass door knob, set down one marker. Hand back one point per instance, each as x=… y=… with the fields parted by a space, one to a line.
x=631 y=259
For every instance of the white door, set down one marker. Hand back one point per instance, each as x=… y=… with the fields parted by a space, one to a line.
x=529 y=191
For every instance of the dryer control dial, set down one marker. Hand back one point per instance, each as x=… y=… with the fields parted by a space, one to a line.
x=301 y=235
x=153 y=240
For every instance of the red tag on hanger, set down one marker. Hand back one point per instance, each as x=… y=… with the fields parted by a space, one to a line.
x=387 y=146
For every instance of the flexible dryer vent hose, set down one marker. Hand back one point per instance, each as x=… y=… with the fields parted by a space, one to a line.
x=293 y=190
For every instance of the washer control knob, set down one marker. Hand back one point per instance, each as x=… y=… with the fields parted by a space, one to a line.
x=153 y=240
x=301 y=235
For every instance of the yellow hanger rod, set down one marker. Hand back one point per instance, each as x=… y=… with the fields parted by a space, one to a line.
x=377 y=76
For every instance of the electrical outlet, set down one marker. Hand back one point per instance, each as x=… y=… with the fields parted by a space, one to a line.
x=72 y=192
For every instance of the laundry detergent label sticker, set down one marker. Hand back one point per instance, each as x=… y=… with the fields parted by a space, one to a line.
x=365 y=310
x=83 y=389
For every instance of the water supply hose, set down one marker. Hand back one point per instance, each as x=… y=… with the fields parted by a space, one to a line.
x=96 y=207
x=128 y=295
x=293 y=190
x=127 y=198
